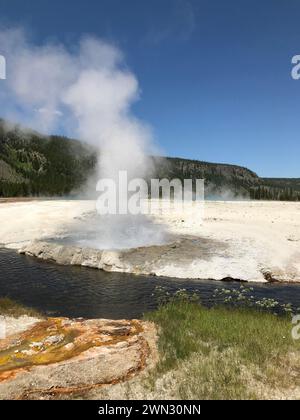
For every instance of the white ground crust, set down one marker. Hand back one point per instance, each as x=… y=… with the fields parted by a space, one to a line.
x=15 y=325
x=256 y=237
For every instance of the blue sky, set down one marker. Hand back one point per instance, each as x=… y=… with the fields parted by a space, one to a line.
x=215 y=75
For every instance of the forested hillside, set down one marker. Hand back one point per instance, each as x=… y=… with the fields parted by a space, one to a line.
x=35 y=165
x=221 y=180
x=31 y=164
x=230 y=181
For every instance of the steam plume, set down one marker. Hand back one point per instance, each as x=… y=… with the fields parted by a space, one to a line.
x=87 y=92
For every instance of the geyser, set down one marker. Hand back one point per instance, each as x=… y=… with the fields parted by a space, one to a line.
x=115 y=232
x=86 y=91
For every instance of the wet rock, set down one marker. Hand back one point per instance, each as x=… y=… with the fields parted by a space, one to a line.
x=59 y=356
x=54 y=339
x=110 y=261
x=179 y=256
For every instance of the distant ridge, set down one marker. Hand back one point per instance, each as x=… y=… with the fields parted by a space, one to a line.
x=32 y=164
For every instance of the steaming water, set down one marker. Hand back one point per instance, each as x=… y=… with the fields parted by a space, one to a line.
x=115 y=232
x=81 y=292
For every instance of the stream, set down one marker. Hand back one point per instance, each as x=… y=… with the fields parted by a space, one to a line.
x=82 y=292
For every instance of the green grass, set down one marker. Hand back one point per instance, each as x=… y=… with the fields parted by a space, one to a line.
x=224 y=353
x=12 y=308
x=217 y=353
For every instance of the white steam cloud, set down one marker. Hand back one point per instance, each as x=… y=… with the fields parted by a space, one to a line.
x=87 y=91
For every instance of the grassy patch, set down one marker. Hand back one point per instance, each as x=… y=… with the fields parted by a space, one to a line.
x=224 y=353
x=11 y=308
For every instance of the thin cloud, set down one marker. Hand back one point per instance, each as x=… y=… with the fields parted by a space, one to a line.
x=180 y=25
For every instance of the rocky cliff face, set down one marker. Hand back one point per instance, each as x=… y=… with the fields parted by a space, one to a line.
x=220 y=179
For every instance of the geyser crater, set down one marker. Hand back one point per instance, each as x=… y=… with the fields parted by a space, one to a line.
x=114 y=232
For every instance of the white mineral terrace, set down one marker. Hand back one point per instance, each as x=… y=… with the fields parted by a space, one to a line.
x=249 y=240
